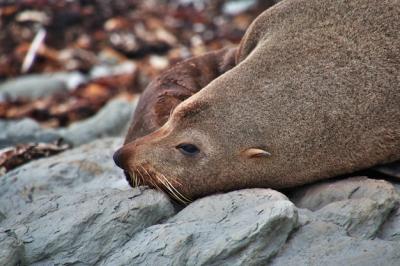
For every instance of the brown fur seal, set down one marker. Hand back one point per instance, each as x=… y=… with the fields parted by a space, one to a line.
x=314 y=94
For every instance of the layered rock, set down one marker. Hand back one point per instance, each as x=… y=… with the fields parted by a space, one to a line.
x=77 y=208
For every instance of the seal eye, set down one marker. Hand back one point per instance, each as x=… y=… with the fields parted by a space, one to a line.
x=188 y=149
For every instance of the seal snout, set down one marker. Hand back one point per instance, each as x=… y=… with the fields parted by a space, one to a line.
x=123 y=157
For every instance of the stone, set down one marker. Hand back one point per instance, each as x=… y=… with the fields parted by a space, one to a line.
x=12 y=251
x=360 y=217
x=358 y=204
x=77 y=208
x=112 y=120
x=25 y=131
x=35 y=86
x=84 y=228
x=316 y=196
x=390 y=230
x=87 y=168
x=320 y=243
x=246 y=227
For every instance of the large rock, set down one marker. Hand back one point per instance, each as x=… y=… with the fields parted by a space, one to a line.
x=326 y=244
x=84 y=228
x=245 y=227
x=77 y=208
x=25 y=131
x=87 y=168
x=12 y=250
x=390 y=230
x=358 y=204
x=345 y=222
x=316 y=196
x=111 y=120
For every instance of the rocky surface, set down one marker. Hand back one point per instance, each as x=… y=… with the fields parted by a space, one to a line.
x=25 y=131
x=76 y=208
x=12 y=251
x=216 y=230
x=111 y=120
x=85 y=228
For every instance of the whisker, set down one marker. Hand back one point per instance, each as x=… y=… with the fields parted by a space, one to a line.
x=185 y=199
x=160 y=183
x=131 y=176
x=172 y=193
x=140 y=177
x=168 y=189
x=150 y=179
x=137 y=180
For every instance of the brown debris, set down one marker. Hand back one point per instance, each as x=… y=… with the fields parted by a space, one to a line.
x=14 y=156
x=82 y=34
x=63 y=109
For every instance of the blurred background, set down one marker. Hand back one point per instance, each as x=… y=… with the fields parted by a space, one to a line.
x=63 y=61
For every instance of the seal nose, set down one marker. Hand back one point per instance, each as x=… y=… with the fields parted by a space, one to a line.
x=117 y=157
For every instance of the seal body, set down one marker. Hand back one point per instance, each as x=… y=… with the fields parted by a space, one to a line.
x=314 y=93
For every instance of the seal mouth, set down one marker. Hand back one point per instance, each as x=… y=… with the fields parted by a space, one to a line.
x=145 y=175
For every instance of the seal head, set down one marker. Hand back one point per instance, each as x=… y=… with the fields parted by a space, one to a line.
x=186 y=157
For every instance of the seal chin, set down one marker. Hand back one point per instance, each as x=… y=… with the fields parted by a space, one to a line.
x=146 y=175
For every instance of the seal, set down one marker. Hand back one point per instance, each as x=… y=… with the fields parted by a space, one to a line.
x=314 y=94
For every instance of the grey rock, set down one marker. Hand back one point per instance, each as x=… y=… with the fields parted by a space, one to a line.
x=76 y=208
x=314 y=197
x=12 y=250
x=35 y=86
x=111 y=120
x=360 y=205
x=84 y=228
x=324 y=244
x=87 y=168
x=25 y=131
x=360 y=217
x=245 y=227
x=390 y=230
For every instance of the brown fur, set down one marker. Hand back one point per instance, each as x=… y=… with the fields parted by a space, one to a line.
x=316 y=86
x=174 y=86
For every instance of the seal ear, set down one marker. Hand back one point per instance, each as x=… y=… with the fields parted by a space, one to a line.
x=256 y=153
